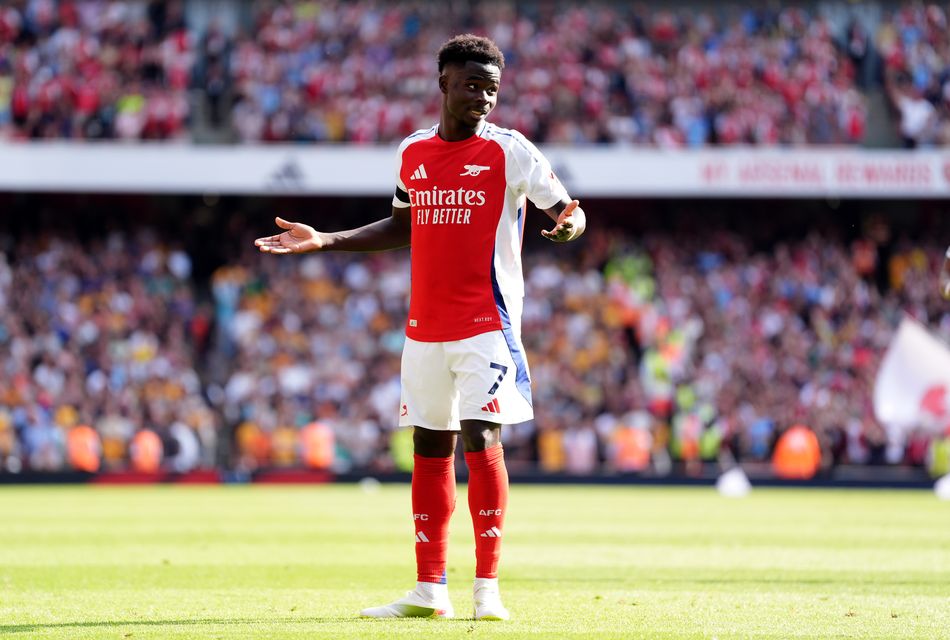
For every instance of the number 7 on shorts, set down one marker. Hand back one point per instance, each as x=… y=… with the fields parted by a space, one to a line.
x=501 y=376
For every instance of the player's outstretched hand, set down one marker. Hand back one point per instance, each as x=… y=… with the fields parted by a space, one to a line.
x=570 y=224
x=298 y=238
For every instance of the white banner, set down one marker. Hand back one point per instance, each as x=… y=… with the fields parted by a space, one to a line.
x=360 y=170
x=913 y=384
x=832 y=173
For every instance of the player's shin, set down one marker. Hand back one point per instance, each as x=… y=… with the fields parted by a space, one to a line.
x=433 y=501
x=488 y=501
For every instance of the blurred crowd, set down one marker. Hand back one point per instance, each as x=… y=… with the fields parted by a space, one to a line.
x=688 y=348
x=317 y=339
x=601 y=72
x=92 y=69
x=650 y=353
x=364 y=72
x=105 y=334
x=915 y=46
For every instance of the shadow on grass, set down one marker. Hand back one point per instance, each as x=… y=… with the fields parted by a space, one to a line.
x=104 y=624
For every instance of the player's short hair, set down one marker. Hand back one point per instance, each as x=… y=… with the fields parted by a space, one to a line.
x=468 y=46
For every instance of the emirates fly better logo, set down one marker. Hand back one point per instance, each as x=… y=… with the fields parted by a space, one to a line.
x=437 y=206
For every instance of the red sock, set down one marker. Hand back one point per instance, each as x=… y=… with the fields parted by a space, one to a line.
x=433 y=501
x=488 y=501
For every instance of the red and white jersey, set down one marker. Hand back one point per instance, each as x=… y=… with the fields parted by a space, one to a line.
x=468 y=207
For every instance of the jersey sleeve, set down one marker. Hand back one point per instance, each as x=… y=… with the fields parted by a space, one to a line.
x=533 y=175
x=401 y=196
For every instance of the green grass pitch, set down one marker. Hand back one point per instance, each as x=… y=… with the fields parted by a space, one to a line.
x=579 y=562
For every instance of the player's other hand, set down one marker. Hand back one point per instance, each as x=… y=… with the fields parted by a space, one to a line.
x=298 y=238
x=570 y=224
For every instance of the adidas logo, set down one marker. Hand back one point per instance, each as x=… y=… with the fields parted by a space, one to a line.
x=419 y=174
x=494 y=532
x=492 y=407
x=421 y=537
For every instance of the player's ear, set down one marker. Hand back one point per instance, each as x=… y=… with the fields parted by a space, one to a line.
x=443 y=82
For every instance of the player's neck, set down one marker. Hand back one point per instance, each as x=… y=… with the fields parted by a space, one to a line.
x=453 y=130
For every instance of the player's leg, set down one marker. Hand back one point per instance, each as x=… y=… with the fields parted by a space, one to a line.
x=488 y=504
x=433 y=501
x=487 y=491
x=494 y=387
x=428 y=399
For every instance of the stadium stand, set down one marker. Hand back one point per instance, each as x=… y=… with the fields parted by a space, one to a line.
x=577 y=73
x=94 y=70
x=654 y=347
x=688 y=338
x=588 y=73
x=109 y=337
x=915 y=47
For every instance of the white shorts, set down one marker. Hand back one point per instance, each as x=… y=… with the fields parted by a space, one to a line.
x=484 y=377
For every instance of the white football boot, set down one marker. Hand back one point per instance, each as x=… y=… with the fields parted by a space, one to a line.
x=427 y=600
x=488 y=604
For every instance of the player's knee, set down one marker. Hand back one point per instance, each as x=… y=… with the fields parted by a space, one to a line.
x=478 y=435
x=433 y=444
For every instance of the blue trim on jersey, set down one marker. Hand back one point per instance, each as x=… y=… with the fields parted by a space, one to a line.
x=520 y=222
x=445 y=578
x=522 y=381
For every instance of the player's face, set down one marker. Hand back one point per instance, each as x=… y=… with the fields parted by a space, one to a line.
x=471 y=91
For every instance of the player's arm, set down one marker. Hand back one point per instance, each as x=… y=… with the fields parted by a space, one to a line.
x=531 y=174
x=389 y=233
x=570 y=221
